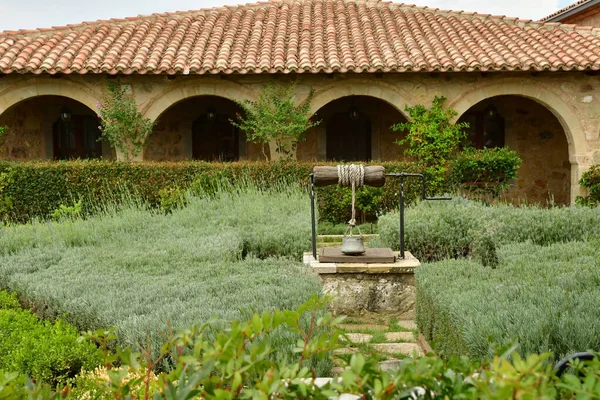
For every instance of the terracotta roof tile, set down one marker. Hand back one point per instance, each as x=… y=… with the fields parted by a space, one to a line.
x=302 y=36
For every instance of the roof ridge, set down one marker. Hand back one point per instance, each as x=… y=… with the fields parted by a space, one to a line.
x=144 y=17
x=185 y=13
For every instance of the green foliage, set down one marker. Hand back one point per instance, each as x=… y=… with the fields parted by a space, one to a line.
x=543 y=297
x=143 y=272
x=8 y=301
x=452 y=229
x=237 y=364
x=123 y=125
x=275 y=116
x=36 y=189
x=171 y=199
x=48 y=352
x=432 y=139
x=68 y=212
x=6 y=201
x=3 y=132
x=590 y=180
x=487 y=171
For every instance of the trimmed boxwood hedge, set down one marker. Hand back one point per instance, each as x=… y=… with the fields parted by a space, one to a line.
x=36 y=189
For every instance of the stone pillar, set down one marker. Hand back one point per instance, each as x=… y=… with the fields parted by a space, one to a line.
x=275 y=156
x=121 y=156
x=579 y=165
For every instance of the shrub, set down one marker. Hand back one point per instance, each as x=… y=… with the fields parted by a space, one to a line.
x=486 y=171
x=8 y=301
x=63 y=211
x=432 y=139
x=36 y=189
x=237 y=365
x=590 y=180
x=123 y=125
x=47 y=352
x=171 y=199
x=276 y=117
x=544 y=298
x=142 y=272
x=439 y=230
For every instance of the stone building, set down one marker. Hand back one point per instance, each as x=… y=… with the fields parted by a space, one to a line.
x=530 y=85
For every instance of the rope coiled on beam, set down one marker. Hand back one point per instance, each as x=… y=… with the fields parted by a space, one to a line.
x=352 y=175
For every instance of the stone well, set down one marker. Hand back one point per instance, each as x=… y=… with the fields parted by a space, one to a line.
x=361 y=289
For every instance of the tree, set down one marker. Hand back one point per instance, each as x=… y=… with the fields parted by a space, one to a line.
x=123 y=124
x=276 y=117
x=432 y=139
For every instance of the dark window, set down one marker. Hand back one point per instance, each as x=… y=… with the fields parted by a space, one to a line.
x=486 y=128
x=348 y=137
x=77 y=138
x=214 y=138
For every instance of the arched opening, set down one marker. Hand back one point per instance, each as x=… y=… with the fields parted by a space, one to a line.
x=200 y=128
x=538 y=137
x=354 y=128
x=52 y=127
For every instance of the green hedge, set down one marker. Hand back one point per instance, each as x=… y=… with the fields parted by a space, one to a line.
x=47 y=352
x=437 y=230
x=591 y=181
x=37 y=189
x=545 y=298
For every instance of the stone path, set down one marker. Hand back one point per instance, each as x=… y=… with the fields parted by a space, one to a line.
x=388 y=342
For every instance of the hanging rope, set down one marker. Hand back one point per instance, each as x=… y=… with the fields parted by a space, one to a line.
x=351 y=175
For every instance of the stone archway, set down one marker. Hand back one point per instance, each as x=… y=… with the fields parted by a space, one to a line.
x=538 y=137
x=374 y=89
x=570 y=123
x=52 y=127
x=353 y=128
x=185 y=90
x=56 y=87
x=200 y=128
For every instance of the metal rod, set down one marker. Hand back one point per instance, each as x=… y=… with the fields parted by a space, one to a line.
x=402 y=217
x=403 y=175
x=313 y=217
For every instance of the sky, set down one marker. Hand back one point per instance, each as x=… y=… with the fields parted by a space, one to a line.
x=31 y=14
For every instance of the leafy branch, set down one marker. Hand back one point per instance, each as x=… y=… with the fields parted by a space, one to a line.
x=432 y=138
x=276 y=117
x=123 y=125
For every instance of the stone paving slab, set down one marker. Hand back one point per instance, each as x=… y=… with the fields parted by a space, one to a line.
x=363 y=327
x=408 y=324
x=359 y=337
x=398 y=348
x=345 y=350
x=390 y=365
x=396 y=336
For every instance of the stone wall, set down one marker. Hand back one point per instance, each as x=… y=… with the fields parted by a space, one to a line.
x=572 y=97
x=537 y=136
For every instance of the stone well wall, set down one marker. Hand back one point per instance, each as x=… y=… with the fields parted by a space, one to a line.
x=364 y=289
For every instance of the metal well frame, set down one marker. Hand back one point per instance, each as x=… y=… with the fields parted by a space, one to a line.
x=402 y=176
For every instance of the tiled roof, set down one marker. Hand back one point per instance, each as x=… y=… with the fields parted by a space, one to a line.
x=567 y=8
x=302 y=36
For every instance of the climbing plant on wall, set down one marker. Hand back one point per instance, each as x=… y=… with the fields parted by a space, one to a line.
x=3 y=132
x=275 y=116
x=432 y=139
x=123 y=125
